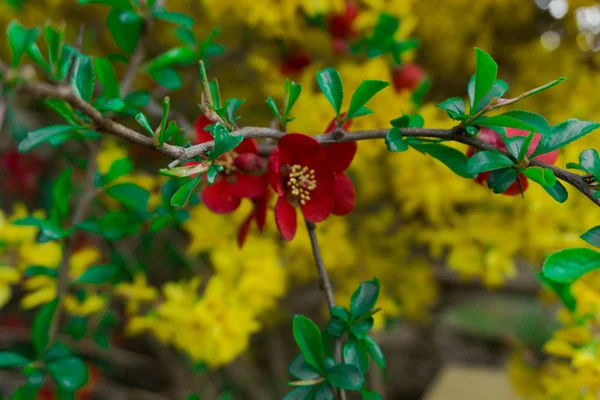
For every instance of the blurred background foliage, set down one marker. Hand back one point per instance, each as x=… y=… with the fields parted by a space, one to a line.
x=436 y=241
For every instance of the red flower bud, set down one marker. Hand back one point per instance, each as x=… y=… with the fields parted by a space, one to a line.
x=408 y=77
x=250 y=163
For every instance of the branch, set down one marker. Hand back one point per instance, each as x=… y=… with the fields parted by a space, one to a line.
x=325 y=286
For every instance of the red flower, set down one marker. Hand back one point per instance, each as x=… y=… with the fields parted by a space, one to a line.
x=294 y=62
x=340 y=155
x=407 y=77
x=495 y=139
x=20 y=173
x=238 y=180
x=258 y=214
x=301 y=175
x=340 y=27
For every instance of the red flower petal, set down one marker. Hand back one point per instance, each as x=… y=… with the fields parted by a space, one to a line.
x=295 y=147
x=247 y=146
x=320 y=205
x=340 y=155
x=219 y=197
x=273 y=172
x=244 y=229
x=344 y=195
x=248 y=186
x=260 y=211
x=202 y=135
x=285 y=216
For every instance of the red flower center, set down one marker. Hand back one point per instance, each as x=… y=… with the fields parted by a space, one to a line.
x=300 y=182
x=227 y=162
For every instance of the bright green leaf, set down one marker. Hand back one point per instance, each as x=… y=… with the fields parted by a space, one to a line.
x=118 y=4
x=355 y=353
x=107 y=77
x=487 y=160
x=43 y=135
x=364 y=298
x=36 y=270
x=175 y=17
x=224 y=141
x=82 y=80
x=40 y=334
x=300 y=369
x=124 y=28
x=370 y=395
x=346 y=376
x=177 y=56
x=300 y=393
x=54 y=40
x=558 y=192
x=143 y=121
x=454 y=107
x=68 y=373
x=486 y=70
x=365 y=91
x=536 y=121
x=562 y=290
x=19 y=40
x=569 y=265
x=330 y=82
x=10 y=359
x=98 y=274
x=182 y=196
x=324 y=392
x=452 y=158
x=340 y=312
x=138 y=99
x=543 y=176
x=292 y=92
x=61 y=193
x=273 y=107
x=563 y=134
x=394 y=141
x=130 y=195
x=166 y=77
x=308 y=338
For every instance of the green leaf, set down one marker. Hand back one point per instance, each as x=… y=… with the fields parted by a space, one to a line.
x=452 y=158
x=125 y=28
x=568 y=265
x=107 y=77
x=47 y=134
x=224 y=141
x=454 y=107
x=69 y=373
x=98 y=274
x=35 y=377
x=498 y=89
x=19 y=40
x=374 y=351
x=231 y=106
x=40 y=334
x=501 y=179
x=83 y=77
x=418 y=95
x=362 y=112
x=10 y=359
x=162 y=130
x=503 y=120
x=336 y=328
x=138 y=99
x=25 y=392
x=166 y=77
x=487 y=160
x=340 y=312
x=300 y=369
x=533 y=120
x=364 y=298
x=118 y=168
x=159 y=223
x=562 y=290
x=300 y=393
x=114 y=105
x=186 y=36
x=308 y=338
x=543 y=176
x=175 y=17
x=370 y=395
x=386 y=27
x=39 y=270
x=66 y=59
x=365 y=91
x=524 y=147
x=130 y=195
x=592 y=236
x=54 y=40
x=324 y=392
x=182 y=196
x=563 y=134
x=589 y=160
x=61 y=193
x=212 y=172
x=361 y=328
x=558 y=192
x=330 y=82
x=57 y=351
x=49 y=230
x=394 y=141
x=63 y=108
x=356 y=354
x=408 y=121
x=273 y=107
x=118 y=4
x=143 y=121
x=292 y=92
x=486 y=70
x=177 y=56
x=346 y=376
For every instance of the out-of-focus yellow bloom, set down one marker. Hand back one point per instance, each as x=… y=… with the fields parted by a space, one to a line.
x=137 y=292
x=8 y=276
x=92 y=304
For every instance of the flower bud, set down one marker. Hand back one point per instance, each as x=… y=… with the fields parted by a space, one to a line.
x=250 y=163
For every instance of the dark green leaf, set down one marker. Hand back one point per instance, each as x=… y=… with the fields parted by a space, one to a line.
x=182 y=196
x=300 y=393
x=118 y=4
x=336 y=328
x=408 y=121
x=57 y=351
x=212 y=172
x=361 y=328
x=340 y=312
x=107 y=77
x=83 y=79
x=386 y=27
x=356 y=354
x=365 y=91
x=273 y=107
x=486 y=70
x=224 y=141
x=117 y=169
x=39 y=270
x=231 y=105
x=162 y=130
x=452 y=158
x=370 y=395
x=346 y=376
x=63 y=108
x=130 y=195
x=54 y=40
x=563 y=134
x=374 y=351
x=40 y=334
x=166 y=77
x=66 y=59
x=124 y=28
x=500 y=179
x=43 y=135
x=592 y=236
x=330 y=82
x=536 y=121
x=570 y=264
x=454 y=106
x=68 y=373
x=364 y=298
x=143 y=121
x=19 y=40
x=35 y=378
x=496 y=92
x=503 y=120
x=543 y=176
x=49 y=229
x=177 y=56
x=558 y=192
x=308 y=338
x=292 y=92
x=98 y=274
x=324 y=392
x=590 y=161
x=175 y=17
x=159 y=223
x=114 y=105
x=61 y=193
x=185 y=35
x=138 y=99
x=487 y=160
x=394 y=141
x=10 y=359
x=300 y=369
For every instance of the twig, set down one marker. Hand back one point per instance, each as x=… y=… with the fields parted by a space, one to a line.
x=325 y=287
